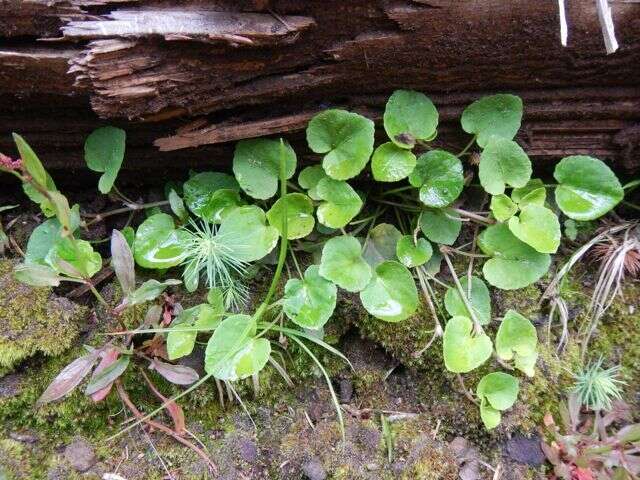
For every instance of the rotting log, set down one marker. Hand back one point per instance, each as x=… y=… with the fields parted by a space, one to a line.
x=187 y=77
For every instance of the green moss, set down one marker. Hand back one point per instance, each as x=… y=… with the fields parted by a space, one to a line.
x=32 y=320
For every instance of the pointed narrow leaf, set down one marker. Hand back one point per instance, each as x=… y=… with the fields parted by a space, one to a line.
x=176 y=374
x=69 y=378
x=109 y=357
x=122 y=262
x=107 y=376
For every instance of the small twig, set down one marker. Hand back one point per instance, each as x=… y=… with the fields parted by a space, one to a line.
x=466 y=392
x=162 y=427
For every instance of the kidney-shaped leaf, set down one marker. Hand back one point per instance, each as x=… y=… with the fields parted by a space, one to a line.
x=462 y=351
x=587 y=187
x=538 y=227
x=104 y=152
x=300 y=219
x=533 y=192
x=341 y=203
x=256 y=165
x=346 y=138
x=391 y=295
x=246 y=235
x=310 y=302
x=517 y=337
x=439 y=176
x=413 y=254
x=503 y=162
x=180 y=339
x=410 y=116
x=232 y=351
x=514 y=264
x=309 y=178
x=498 y=115
x=502 y=207
x=381 y=244
x=200 y=189
x=157 y=243
x=391 y=163
x=440 y=226
x=342 y=263
x=75 y=258
x=497 y=391
x=478 y=297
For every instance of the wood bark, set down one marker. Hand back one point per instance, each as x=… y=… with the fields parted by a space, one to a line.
x=188 y=77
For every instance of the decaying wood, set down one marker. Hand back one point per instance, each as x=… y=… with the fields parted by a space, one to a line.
x=253 y=67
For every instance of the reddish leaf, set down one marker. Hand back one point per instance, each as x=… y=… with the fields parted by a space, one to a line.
x=582 y=474
x=178 y=374
x=68 y=379
x=108 y=358
x=174 y=410
x=122 y=262
x=107 y=376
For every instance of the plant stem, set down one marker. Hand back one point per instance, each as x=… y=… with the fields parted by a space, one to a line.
x=397 y=190
x=466 y=392
x=477 y=328
x=295 y=261
x=98 y=217
x=467 y=147
x=474 y=216
x=96 y=293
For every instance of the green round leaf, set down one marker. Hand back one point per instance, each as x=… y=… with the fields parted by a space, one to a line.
x=45 y=235
x=538 y=227
x=503 y=162
x=499 y=389
x=517 y=337
x=342 y=263
x=157 y=243
x=245 y=234
x=498 y=115
x=391 y=295
x=220 y=204
x=587 y=187
x=232 y=351
x=256 y=165
x=310 y=302
x=462 y=351
x=346 y=138
x=439 y=176
x=309 y=178
x=199 y=190
x=413 y=254
x=533 y=192
x=180 y=341
x=341 y=203
x=104 y=152
x=440 y=226
x=514 y=264
x=391 y=163
x=300 y=219
x=381 y=244
x=410 y=116
x=478 y=297
x=502 y=207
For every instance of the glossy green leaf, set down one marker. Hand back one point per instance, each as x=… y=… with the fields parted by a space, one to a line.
x=391 y=295
x=36 y=275
x=310 y=302
x=256 y=165
x=497 y=392
x=200 y=189
x=104 y=152
x=587 y=187
x=158 y=244
x=381 y=244
x=410 y=116
x=220 y=204
x=478 y=296
x=533 y=192
x=180 y=342
x=391 y=163
x=177 y=206
x=342 y=263
x=45 y=235
x=232 y=351
x=497 y=115
x=74 y=258
x=502 y=207
x=345 y=138
x=413 y=254
x=439 y=176
x=149 y=290
x=538 y=227
x=341 y=203
x=300 y=219
x=514 y=264
x=245 y=234
x=463 y=351
x=440 y=226
x=503 y=162
x=309 y=178
x=517 y=339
